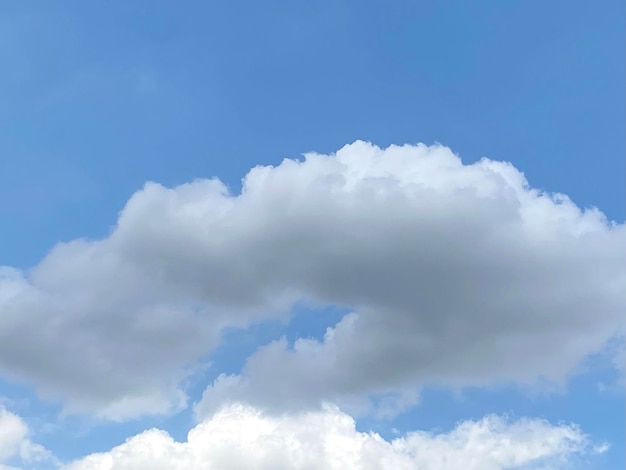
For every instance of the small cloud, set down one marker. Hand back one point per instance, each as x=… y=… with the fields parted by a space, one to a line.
x=15 y=441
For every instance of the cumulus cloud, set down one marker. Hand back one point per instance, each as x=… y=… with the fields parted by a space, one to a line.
x=461 y=274
x=241 y=437
x=15 y=442
x=12 y=433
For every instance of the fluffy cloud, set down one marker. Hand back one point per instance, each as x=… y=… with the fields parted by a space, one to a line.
x=241 y=437
x=460 y=274
x=12 y=433
x=14 y=442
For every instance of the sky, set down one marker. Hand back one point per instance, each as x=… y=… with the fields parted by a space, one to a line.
x=312 y=235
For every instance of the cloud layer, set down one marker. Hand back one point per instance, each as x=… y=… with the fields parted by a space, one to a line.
x=242 y=438
x=456 y=274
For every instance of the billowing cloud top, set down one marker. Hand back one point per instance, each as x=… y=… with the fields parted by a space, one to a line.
x=242 y=438
x=455 y=274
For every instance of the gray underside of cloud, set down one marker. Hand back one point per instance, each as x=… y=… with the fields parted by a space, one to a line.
x=455 y=274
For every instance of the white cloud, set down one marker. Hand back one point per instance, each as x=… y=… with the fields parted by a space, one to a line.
x=241 y=437
x=15 y=442
x=460 y=274
x=12 y=432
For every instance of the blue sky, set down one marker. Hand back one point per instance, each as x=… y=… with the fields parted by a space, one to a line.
x=98 y=98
